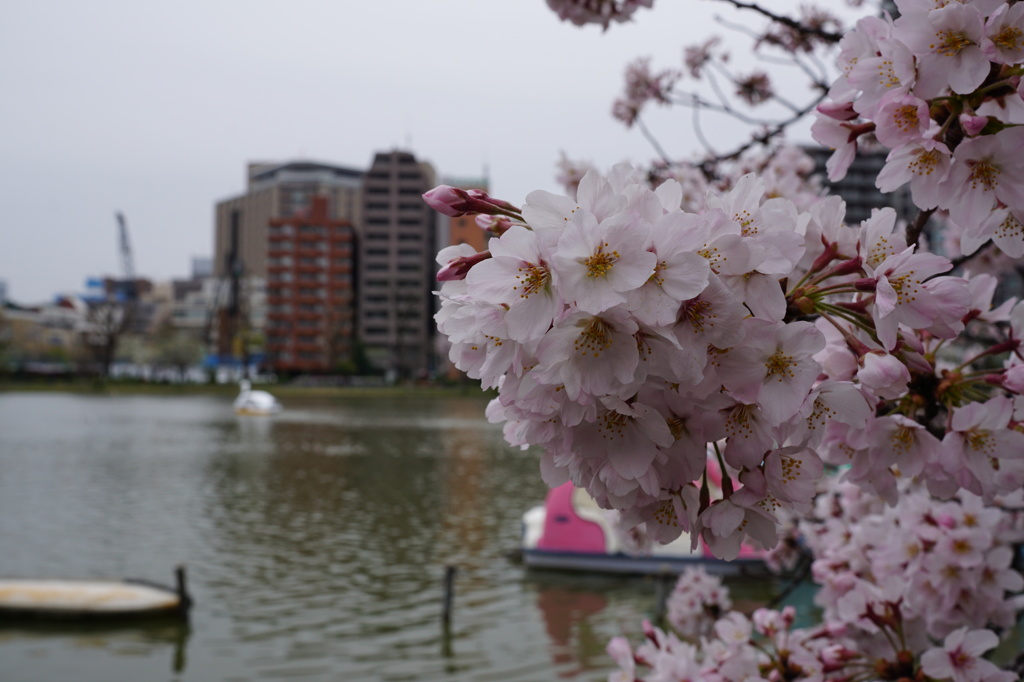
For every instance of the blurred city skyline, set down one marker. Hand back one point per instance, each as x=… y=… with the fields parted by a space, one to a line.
x=154 y=111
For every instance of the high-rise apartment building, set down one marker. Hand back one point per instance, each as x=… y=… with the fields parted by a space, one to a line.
x=398 y=242
x=310 y=291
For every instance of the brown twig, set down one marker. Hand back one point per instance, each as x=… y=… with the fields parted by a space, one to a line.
x=915 y=228
x=788 y=22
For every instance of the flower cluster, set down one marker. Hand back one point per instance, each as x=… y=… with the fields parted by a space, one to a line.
x=947 y=564
x=625 y=335
x=696 y=603
x=940 y=87
x=767 y=646
x=604 y=12
x=642 y=86
x=762 y=647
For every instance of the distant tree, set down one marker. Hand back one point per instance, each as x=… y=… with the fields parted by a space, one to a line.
x=6 y=335
x=106 y=322
x=175 y=349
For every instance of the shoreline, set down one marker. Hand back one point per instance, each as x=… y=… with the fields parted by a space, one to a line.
x=281 y=391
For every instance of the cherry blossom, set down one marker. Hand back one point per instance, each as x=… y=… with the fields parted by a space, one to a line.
x=960 y=658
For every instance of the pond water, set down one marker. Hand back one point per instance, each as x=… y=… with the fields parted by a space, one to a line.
x=316 y=542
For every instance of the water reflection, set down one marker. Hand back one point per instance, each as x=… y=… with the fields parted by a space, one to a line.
x=138 y=640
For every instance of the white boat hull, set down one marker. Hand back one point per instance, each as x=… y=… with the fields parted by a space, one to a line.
x=640 y=565
x=76 y=599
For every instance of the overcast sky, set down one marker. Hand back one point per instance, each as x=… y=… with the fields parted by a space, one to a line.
x=154 y=109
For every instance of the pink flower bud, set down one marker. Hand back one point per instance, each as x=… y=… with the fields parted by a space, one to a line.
x=1013 y=380
x=459 y=267
x=848 y=267
x=448 y=200
x=972 y=123
x=885 y=375
x=495 y=224
x=826 y=257
x=840 y=111
x=836 y=629
x=455 y=202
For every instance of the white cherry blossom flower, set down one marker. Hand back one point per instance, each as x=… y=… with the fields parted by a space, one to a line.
x=947 y=45
x=960 y=658
x=592 y=354
x=907 y=293
x=774 y=367
x=1004 y=35
x=986 y=169
x=596 y=264
x=518 y=277
x=979 y=443
x=924 y=164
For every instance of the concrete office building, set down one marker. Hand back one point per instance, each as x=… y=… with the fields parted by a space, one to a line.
x=398 y=242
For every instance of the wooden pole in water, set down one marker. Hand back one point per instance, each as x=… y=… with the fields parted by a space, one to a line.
x=184 y=600
x=446 y=611
x=449 y=589
x=662 y=588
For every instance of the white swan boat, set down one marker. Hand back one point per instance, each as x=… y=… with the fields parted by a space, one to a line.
x=258 y=403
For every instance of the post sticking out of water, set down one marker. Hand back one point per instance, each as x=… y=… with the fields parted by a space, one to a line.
x=185 y=600
x=449 y=589
x=664 y=582
x=446 y=611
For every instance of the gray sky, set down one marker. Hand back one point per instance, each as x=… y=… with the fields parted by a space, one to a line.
x=154 y=109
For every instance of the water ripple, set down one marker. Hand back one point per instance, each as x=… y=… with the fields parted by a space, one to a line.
x=316 y=541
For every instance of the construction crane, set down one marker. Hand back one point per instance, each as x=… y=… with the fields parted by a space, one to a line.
x=128 y=284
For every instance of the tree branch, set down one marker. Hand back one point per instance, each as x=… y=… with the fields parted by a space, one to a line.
x=652 y=140
x=827 y=36
x=915 y=228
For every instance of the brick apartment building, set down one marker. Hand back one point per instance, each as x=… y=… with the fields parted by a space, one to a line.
x=310 y=291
